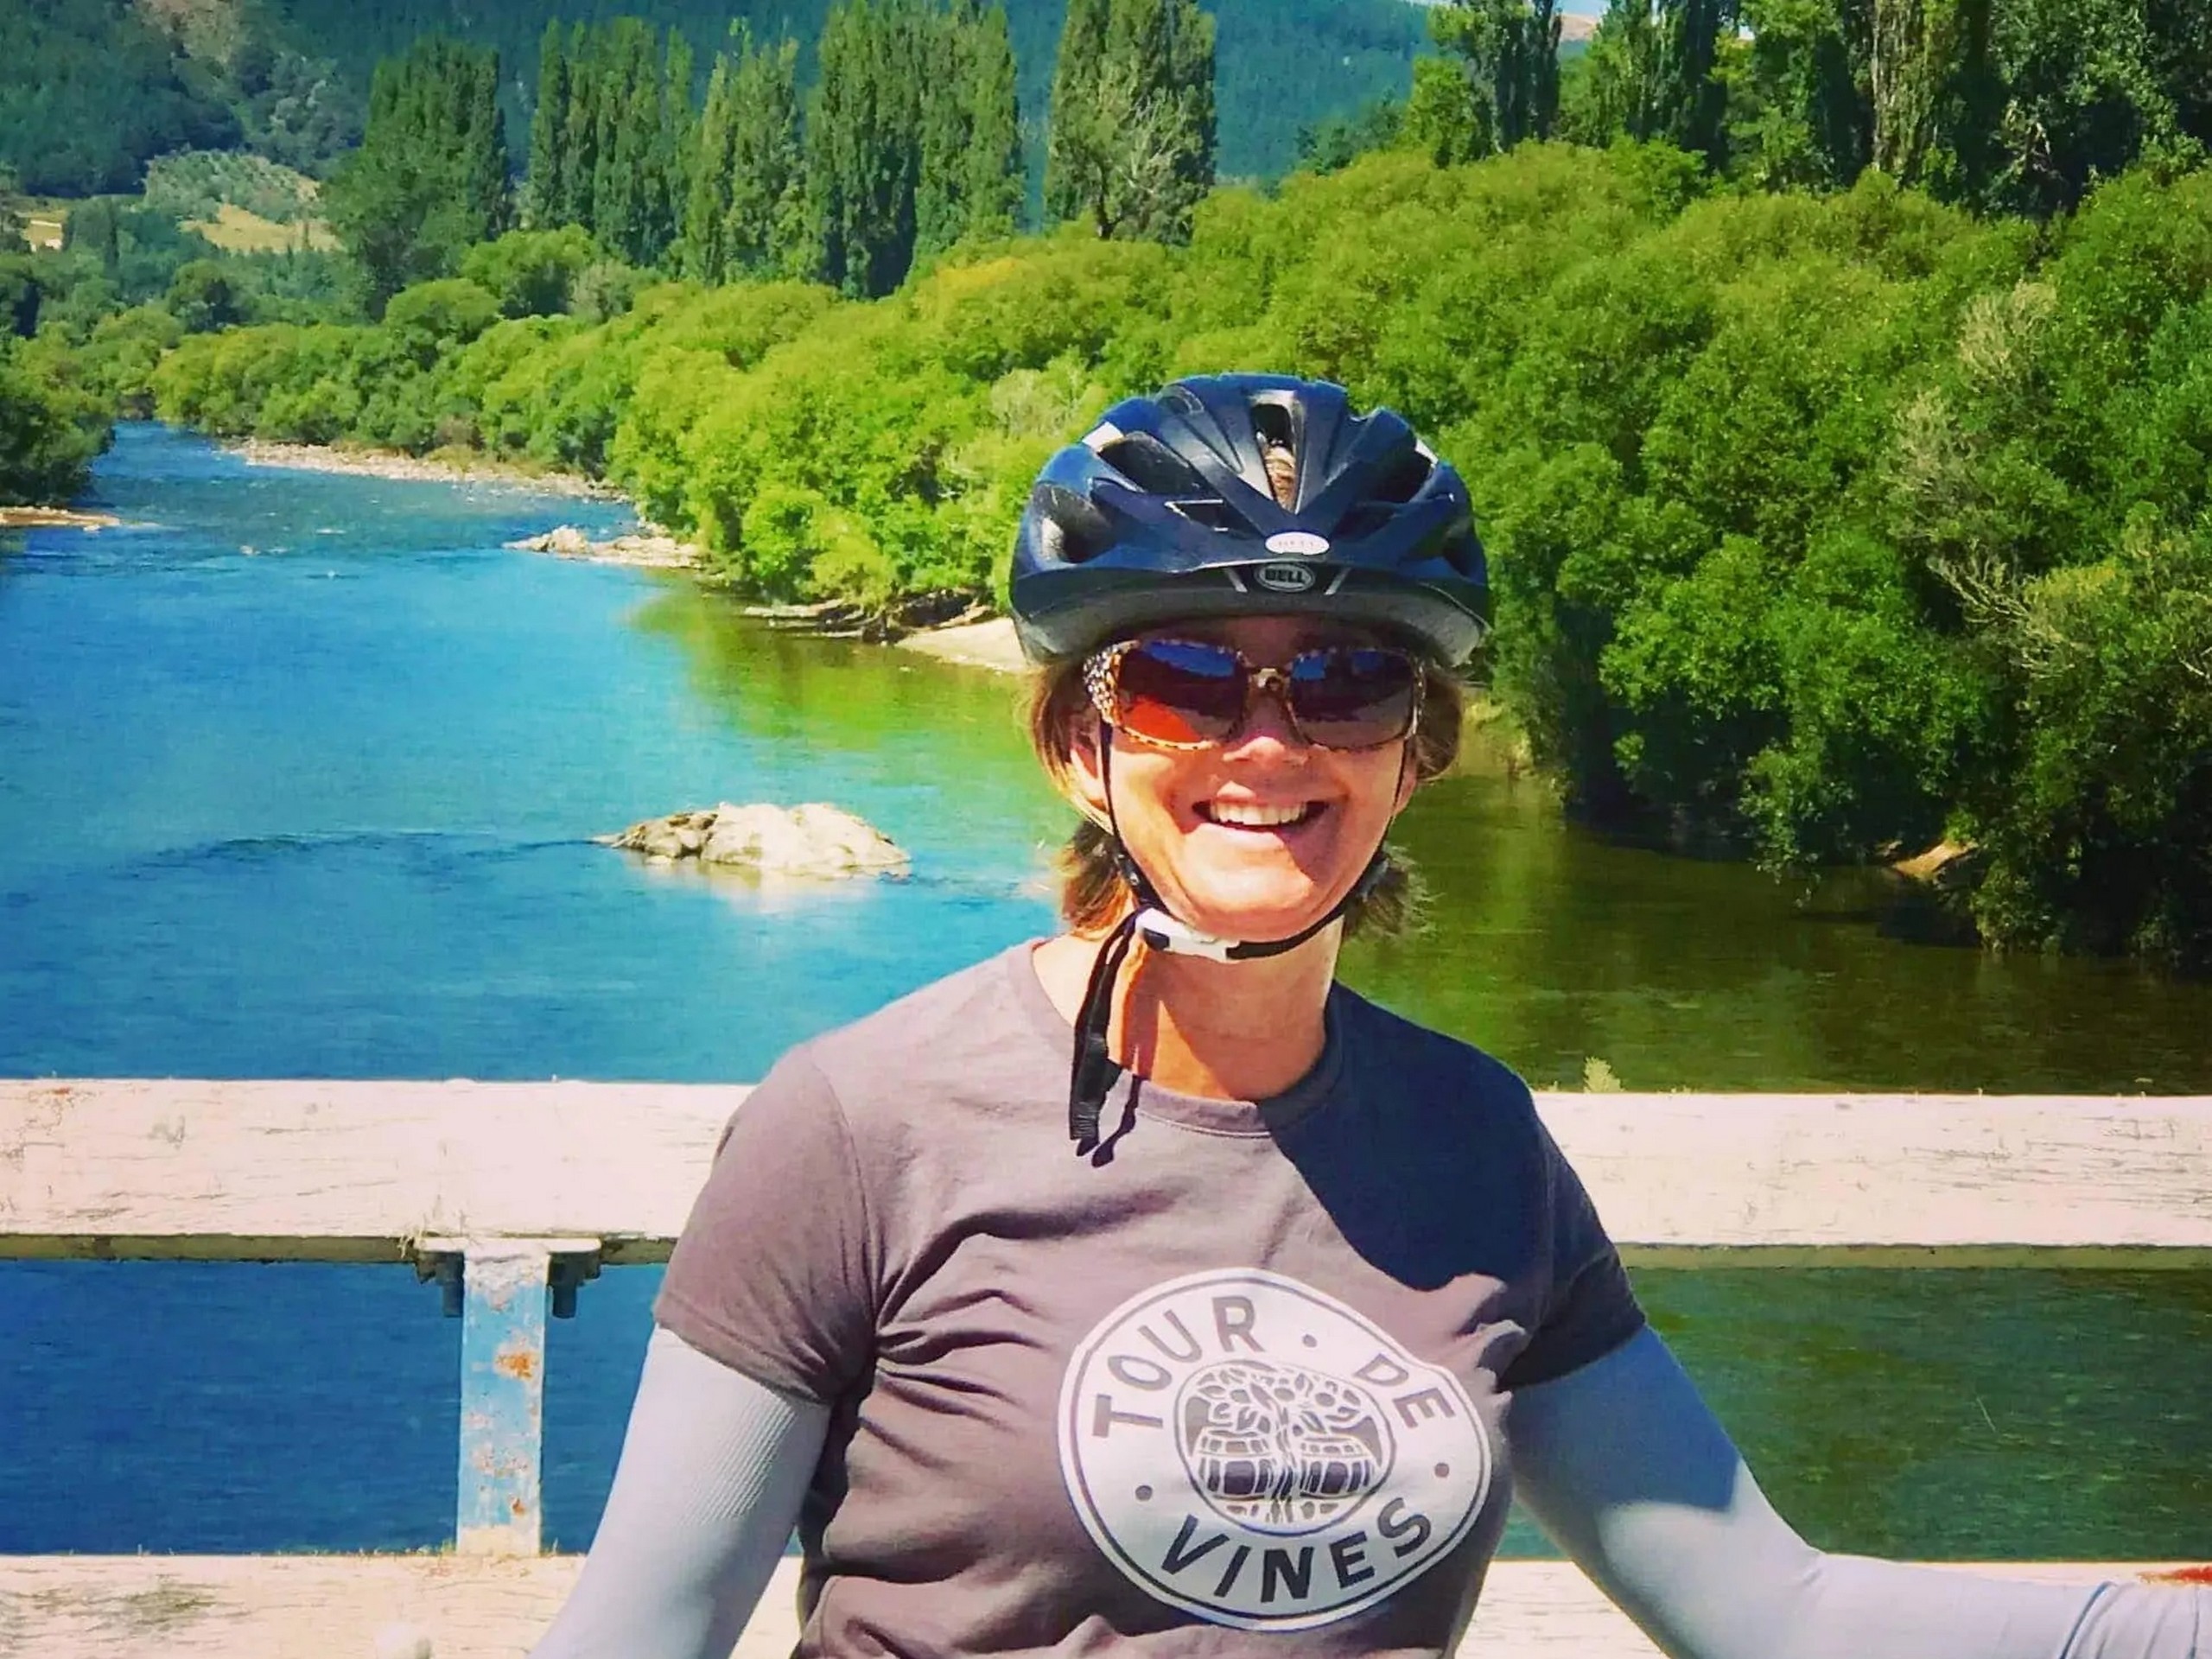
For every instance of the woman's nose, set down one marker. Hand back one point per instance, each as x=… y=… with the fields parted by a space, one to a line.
x=1267 y=721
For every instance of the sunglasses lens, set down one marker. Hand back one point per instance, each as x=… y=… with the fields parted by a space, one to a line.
x=1179 y=691
x=1353 y=696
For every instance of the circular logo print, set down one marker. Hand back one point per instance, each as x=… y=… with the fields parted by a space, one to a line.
x=1285 y=578
x=1303 y=542
x=1247 y=1448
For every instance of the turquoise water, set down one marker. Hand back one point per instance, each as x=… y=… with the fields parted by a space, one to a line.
x=298 y=777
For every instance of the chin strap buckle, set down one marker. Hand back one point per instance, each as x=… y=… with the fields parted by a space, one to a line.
x=1161 y=931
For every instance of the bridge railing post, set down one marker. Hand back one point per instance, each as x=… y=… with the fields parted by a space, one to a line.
x=504 y=1285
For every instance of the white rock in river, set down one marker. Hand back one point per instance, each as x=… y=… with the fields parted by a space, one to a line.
x=814 y=840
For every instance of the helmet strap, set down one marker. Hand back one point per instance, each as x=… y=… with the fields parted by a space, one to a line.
x=1094 y=1070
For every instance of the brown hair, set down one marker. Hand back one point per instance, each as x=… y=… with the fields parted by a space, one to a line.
x=1093 y=896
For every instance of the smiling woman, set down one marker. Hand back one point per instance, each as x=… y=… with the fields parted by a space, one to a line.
x=1258 y=1368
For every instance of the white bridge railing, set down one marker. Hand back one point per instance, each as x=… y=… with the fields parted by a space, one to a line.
x=512 y=1195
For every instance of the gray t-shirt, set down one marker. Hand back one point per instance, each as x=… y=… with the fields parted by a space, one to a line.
x=1232 y=1388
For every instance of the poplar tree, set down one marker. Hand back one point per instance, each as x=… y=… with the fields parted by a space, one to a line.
x=996 y=188
x=744 y=209
x=767 y=231
x=545 y=193
x=1131 y=144
x=674 y=131
x=1507 y=53
x=1692 y=103
x=430 y=177
x=969 y=183
x=701 y=252
x=863 y=144
x=625 y=127
x=941 y=169
x=580 y=130
x=1072 y=141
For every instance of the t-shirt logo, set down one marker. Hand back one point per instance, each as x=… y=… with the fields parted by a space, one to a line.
x=1251 y=1450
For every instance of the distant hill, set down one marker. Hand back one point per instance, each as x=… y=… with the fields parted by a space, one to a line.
x=91 y=89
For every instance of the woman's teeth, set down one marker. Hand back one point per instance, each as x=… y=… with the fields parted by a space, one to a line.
x=1246 y=815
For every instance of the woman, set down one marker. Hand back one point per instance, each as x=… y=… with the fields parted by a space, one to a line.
x=1255 y=1369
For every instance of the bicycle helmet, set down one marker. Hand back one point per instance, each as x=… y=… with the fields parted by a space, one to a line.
x=1166 y=510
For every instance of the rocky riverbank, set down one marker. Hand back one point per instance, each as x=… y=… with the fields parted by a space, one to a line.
x=653 y=551
x=54 y=518
x=443 y=467
x=962 y=633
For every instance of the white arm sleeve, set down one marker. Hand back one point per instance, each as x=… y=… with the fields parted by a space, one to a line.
x=713 y=1470
x=1622 y=1464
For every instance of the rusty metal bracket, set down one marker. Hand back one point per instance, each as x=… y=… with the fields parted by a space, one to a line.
x=501 y=1287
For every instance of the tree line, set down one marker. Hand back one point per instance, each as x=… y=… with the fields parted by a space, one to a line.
x=1823 y=526
x=1284 y=63
x=1998 y=105
x=909 y=142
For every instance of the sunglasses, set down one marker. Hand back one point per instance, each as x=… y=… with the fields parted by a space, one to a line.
x=1190 y=694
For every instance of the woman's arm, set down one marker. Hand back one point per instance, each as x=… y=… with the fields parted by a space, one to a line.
x=713 y=1470
x=1625 y=1468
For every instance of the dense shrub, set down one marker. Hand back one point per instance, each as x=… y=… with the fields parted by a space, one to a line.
x=50 y=427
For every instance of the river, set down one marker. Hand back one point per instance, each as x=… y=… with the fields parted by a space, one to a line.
x=298 y=775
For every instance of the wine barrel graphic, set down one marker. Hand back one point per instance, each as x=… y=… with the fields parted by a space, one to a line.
x=1280 y=1448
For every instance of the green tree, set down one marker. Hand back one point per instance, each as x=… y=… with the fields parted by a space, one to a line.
x=430 y=177
x=1653 y=70
x=744 y=211
x=767 y=232
x=546 y=193
x=20 y=295
x=969 y=180
x=703 y=252
x=1693 y=99
x=618 y=153
x=1509 y=49
x=530 y=273
x=1071 y=138
x=863 y=144
x=49 y=430
x=995 y=188
x=12 y=225
x=202 y=297
x=1131 y=146
x=1795 y=111
x=579 y=133
x=1444 y=119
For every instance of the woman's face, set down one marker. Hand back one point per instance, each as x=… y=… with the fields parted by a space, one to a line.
x=1259 y=837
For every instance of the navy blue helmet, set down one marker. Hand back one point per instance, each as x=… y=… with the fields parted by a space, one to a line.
x=1166 y=511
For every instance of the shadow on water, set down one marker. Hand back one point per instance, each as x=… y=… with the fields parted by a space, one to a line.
x=1550 y=944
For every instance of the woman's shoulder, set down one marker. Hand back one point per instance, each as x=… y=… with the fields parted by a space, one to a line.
x=1422 y=1063
x=978 y=1034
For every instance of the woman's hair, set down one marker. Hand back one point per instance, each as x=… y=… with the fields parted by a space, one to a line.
x=1093 y=895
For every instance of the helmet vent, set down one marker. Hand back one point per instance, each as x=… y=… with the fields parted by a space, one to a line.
x=1272 y=421
x=1152 y=466
x=1403 y=482
x=1213 y=514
